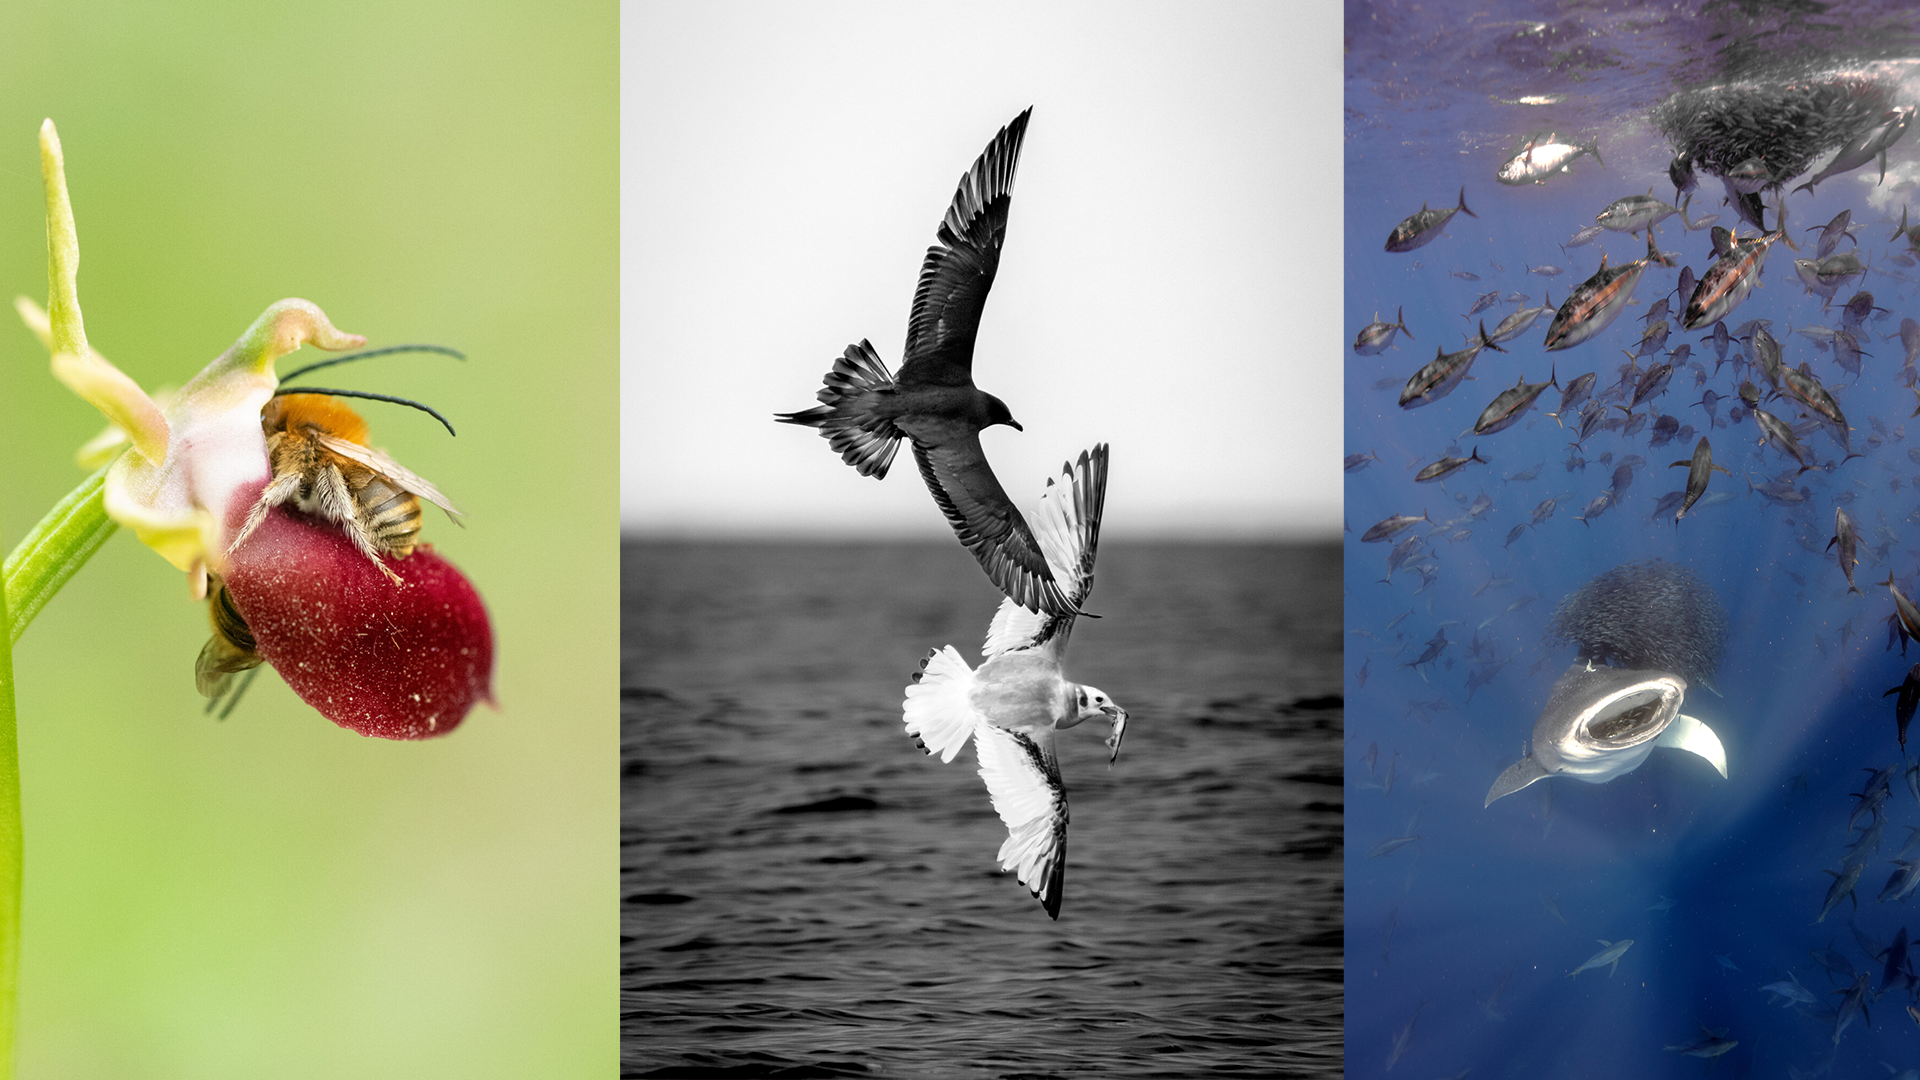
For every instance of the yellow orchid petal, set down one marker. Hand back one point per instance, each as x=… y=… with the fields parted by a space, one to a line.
x=191 y=459
x=82 y=370
x=101 y=449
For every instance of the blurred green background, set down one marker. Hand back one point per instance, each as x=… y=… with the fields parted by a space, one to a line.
x=272 y=895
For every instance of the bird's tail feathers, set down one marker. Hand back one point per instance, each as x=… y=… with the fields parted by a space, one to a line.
x=863 y=440
x=936 y=711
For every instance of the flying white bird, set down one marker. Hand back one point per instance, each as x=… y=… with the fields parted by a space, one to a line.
x=1019 y=697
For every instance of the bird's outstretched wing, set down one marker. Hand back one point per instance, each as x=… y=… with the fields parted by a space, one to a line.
x=959 y=270
x=1068 y=531
x=984 y=518
x=1023 y=778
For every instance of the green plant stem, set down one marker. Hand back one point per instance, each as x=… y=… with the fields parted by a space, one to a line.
x=10 y=844
x=60 y=544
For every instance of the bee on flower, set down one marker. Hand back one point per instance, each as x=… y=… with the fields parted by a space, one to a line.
x=300 y=535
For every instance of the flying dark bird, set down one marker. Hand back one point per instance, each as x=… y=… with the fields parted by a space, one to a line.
x=1012 y=705
x=865 y=411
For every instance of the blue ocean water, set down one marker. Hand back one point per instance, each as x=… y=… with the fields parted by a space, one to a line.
x=804 y=893
x=1460 y=940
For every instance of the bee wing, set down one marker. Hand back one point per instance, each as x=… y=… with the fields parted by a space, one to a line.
x=389 y=468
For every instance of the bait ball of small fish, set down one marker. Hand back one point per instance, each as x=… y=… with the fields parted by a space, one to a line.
x=1650 y=614
x=1785 y=124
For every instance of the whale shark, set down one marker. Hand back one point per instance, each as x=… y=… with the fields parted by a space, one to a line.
x=1602 y=722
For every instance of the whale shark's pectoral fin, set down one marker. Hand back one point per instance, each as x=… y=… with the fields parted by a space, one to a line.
x=1686 y=733
x=1518 y=775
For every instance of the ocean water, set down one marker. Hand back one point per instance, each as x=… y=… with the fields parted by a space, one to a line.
x=804 y=893
x=1461 y=940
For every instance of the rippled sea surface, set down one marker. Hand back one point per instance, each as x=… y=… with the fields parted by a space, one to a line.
x=1466 y=921
x=804 y=893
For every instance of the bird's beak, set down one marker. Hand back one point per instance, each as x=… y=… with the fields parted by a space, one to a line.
x=1015 y=424
x=1119 y=716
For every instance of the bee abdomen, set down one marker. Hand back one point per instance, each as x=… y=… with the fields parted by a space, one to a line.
x=229 y=650
x=392 y=516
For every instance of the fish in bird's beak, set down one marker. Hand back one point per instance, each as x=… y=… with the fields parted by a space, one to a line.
x=1119 y=717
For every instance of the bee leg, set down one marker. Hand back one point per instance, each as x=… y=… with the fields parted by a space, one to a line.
x=234 y=698
x=337 y=502
x=282 y=489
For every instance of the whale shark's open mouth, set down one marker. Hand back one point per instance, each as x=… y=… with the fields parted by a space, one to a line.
x=1632 y=717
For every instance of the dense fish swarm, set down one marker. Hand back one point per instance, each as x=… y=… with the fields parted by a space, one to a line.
x=1785 y=124
x=1646 y=615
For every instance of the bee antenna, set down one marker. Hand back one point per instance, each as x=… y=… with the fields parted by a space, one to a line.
x=371 y=397
x=369 y=354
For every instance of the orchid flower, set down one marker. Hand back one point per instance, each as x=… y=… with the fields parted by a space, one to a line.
x=398 y=648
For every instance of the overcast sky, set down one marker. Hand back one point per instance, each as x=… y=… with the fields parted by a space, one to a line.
x=1169 y=283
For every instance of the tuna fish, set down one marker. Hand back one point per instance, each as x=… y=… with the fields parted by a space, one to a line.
x=1507 y=409
x=1420 y=229
x=1728 y=281
x=1542 y=156
x=1605 y=957
x=1841 y=889
x=1832 y=233
x=1695 y=224
x=1777 y=431
x=1847 y=536
x=1583 y=237
x=1901 y=883
x=1446 y=467
x=1635 y=212
x=1517 y=323
x=1699 y=470
x=1599 y=300
x=1866 y=146
x=1376 y=336
x=1711 y=1044
x=1573 y=394
x=1907 y=616
x=1680 y=171
x=1903 y=709
x=1909 y=336
x=1444 y=372
x=1388 y=528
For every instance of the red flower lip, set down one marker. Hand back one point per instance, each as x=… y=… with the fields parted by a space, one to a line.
x=403 y=661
